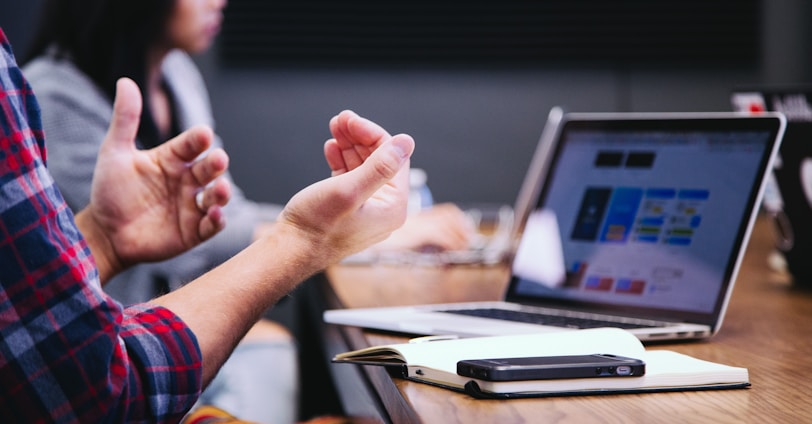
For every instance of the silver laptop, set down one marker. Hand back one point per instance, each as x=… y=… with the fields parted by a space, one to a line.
x=637 y=221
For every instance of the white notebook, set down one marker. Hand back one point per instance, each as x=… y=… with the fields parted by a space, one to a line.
x=436 y=363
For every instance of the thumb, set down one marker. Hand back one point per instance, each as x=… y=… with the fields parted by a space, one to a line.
x=385 y=163
x=126 y=114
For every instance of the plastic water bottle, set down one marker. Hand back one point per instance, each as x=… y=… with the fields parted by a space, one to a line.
x=419 y=194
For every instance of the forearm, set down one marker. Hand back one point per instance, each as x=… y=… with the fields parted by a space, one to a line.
x=223 y=304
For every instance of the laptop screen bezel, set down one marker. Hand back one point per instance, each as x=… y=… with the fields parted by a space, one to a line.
x=548 y=152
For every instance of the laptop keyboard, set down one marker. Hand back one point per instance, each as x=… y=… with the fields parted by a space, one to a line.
x=544 y=319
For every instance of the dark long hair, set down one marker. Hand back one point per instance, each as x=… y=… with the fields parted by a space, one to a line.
x=107 y=40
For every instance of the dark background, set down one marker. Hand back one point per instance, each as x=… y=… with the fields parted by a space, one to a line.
x=472 y=83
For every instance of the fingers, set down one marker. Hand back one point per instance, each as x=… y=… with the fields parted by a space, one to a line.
x=387 y=163
x=210 y=202
x=334 y=158
x=362 y=145
x=126 y=115
x=462 y=226
x=216 y=194
x=443 y=227
x=208 y=193
x=211 y=166
x=187 y=148
x=190 y=144
x=212 y=223
x=350 y=129
x=354 y=140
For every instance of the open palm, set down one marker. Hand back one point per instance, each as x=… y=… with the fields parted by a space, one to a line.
x=144 y=200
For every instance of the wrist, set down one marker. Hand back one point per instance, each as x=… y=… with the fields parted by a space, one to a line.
x=100 y=246
x=308 y=252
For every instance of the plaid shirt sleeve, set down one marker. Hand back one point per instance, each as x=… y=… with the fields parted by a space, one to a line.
x=68 y=352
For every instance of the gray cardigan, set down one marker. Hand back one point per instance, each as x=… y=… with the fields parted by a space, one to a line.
x=75 y=116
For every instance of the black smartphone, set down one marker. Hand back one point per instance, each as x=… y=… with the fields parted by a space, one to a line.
x=551 y=367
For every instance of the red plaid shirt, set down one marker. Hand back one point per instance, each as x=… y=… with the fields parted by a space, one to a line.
x=68 y=352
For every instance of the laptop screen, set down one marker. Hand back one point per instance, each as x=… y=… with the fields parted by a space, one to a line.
x=644 y=214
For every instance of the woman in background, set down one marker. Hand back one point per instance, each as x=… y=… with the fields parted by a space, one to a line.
x=81 y=48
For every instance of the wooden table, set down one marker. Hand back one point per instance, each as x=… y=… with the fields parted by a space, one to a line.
x=767 y=329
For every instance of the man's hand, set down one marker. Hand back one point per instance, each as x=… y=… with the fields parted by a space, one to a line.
x=366 y=198
x=360 y=204
x=153 y=204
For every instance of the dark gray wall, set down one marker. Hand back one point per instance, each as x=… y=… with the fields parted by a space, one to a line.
x=17 y=18
x=476 y=130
